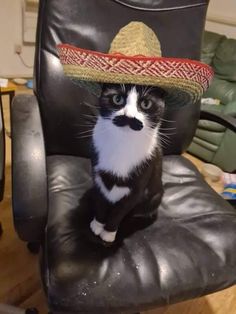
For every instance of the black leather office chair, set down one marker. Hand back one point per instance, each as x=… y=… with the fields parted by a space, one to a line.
x=189 y=251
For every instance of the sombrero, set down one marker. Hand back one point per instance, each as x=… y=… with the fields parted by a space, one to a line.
x=135 y=58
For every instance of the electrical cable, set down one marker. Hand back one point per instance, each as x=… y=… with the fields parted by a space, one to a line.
x=23 y=61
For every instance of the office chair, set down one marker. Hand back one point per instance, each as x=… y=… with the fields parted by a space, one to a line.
x=189 y=251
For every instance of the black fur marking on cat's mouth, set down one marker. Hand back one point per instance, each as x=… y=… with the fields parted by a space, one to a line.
x=133 y=123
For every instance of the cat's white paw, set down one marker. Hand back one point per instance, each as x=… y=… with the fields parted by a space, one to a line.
x=96 y=226
x=108 y=236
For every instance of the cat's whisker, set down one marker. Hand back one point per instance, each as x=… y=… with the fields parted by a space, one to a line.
x=122 y=87
x=89 y=115
x=84 y=136
x=84 y=125
x=148 y=90
x=86 y=132
x=89 y=105
x=164 y=144
x=165 y=140
x=162 y=128
x=90 y=135
x=143 y=90
x=148 y=135
x=171 y=121
x=166 y=134
x=90 y=120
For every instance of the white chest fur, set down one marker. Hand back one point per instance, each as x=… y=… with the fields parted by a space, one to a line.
x=120 y=149
x=113 y=195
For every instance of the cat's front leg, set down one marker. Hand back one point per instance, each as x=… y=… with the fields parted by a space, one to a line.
x=100 y=213
x=117 y=214
x=96 y=226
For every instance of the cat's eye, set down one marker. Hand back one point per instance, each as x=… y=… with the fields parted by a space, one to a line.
x=118 y=100
x=146 y=104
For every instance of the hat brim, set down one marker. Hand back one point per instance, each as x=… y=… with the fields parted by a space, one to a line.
x=184 y=80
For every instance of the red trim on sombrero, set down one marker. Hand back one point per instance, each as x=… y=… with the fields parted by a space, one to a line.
x=137 y=65
x=141 y=58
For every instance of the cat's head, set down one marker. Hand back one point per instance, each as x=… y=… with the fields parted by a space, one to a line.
x=133 y=107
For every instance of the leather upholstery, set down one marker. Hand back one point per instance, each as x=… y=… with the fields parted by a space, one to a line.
x=188 y=252
x=92 y=24
x=212 y=140
x=29 y=184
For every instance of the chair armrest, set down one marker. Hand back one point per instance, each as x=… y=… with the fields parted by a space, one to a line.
x=29 y=180
x=230 y=109
x=225 y=120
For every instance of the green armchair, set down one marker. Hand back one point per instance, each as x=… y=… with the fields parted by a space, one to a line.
x=213 y=142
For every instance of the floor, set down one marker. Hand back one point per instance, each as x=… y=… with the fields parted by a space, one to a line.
x=19 y=275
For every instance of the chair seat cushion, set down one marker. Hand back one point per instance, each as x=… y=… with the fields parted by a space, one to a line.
x=187 y=252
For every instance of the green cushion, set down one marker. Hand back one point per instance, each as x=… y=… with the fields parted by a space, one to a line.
x=224 y=62
x=230 y=109
x=225 y=156
x=223 y=90
x=209 y=45
x=209 y=136
x=201 y=152
x=207 y=145
x=209 y=125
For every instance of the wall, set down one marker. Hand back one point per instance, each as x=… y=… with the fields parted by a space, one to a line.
x=221 y=17
x=11 y=34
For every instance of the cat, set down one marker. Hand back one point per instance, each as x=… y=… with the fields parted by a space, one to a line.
x=126 y=158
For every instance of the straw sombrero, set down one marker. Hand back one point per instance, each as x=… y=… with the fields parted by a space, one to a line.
x=135 y=58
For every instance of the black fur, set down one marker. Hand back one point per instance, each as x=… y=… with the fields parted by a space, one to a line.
x=143 y=201
x=145 y=180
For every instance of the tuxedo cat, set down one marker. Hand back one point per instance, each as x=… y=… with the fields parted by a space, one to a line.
x=127 y=160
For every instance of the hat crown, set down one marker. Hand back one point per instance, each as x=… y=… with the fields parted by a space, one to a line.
x=134 y=39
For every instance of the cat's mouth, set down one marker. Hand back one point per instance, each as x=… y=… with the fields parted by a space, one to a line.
x=133 y=123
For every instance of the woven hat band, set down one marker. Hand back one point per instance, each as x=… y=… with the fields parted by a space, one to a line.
x=135 y=39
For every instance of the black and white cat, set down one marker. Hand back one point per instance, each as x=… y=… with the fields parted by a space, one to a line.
x=127 y=160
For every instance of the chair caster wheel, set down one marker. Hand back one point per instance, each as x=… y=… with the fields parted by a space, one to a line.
x=32 y=311
x=33 y=247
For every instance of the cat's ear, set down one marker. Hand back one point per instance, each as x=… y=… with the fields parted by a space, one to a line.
x=92 y=87
x=162 y=93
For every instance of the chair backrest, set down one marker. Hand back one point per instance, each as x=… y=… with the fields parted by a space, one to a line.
x=92 y=24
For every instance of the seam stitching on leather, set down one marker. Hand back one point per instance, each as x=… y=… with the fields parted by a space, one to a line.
x=160 y=9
